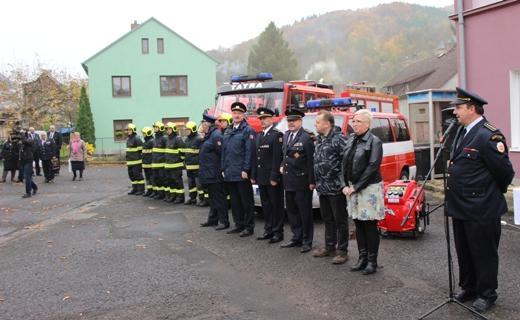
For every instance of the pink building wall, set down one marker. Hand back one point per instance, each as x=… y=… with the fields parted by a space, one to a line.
x=492 y=39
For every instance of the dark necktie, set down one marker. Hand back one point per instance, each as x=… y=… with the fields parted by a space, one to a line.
x=291 y=137
x=461 y=137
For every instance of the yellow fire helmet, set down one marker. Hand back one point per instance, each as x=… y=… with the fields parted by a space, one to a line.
x=159 y=125
x=192 y=126
x=147 y=131
x=172 y=125
x=225 y=116
x=132 y=127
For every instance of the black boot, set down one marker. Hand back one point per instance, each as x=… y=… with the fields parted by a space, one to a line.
x=191 y=201
x=371 y=265
x=148 y=193
x=179 y=199
x=203 y=203
x=169 y=197
x=160 y=195
x=140 y=189
x=362 y=261
x=134 y=190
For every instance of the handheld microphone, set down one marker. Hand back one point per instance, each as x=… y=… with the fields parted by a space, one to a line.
x=453 y=123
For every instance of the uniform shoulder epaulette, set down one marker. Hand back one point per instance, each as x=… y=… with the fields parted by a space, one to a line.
x=276 y=130
x=309 y=132
x=490 y=127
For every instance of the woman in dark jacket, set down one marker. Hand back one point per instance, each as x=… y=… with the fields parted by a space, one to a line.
x=10 y=157
x=363 y=186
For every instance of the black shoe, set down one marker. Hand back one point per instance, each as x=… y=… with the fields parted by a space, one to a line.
x=370 y=268
x=147 y=193
x=246 y=233
x=222 y=227
x=39 y=174
x=190 y=202
x=276 y=239
x=208 y=224
x=169 y=199
x=35 y=191
x=235 y=230
x=360 y=265
x=203 y=203
x=265 y=236
x=139 y=193
x=465 y=296
x=306 y=248
x=178 y=200
x=291 y=244
x=27 y=195
x=133 y=191
x=482 y=305
x=74 y=178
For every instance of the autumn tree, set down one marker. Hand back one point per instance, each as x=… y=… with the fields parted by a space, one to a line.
x=273 y=54
x=85 y=123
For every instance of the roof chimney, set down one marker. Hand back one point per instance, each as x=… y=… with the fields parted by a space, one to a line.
x=134 y=25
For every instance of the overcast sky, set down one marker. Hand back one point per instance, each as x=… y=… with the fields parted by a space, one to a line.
x=62 y=34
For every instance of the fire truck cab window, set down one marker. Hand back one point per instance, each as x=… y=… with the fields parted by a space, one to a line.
x=381 y=129
x=297 y=99
x=400 y=130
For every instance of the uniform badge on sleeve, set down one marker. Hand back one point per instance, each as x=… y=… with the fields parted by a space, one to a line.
x=501 y=147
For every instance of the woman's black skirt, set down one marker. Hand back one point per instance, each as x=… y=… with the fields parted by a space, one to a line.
x=78 y=165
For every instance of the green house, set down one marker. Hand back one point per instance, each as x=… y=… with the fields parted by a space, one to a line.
x=149 y=74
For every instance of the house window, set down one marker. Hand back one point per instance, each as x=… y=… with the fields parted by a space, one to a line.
x=514 y=109
x=160 y=45
x=174 y=85
x=144 y=45
x=120 y=129
x=121 y=86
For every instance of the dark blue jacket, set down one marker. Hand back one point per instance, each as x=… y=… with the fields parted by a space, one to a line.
x=237 y=151
x=209 y=157
x=479 y=174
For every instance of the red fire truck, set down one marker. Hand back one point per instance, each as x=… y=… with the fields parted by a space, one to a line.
x=262 y=91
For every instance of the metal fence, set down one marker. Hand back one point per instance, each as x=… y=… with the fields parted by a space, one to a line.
x=107 y=147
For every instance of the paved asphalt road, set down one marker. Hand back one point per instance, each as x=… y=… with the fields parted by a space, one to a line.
x=86 y=250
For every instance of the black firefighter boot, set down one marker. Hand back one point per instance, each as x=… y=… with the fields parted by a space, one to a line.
x=372 y=264
x=134 y=190
x=148 y=192
x=169 y=197
x=190 y=201
x=179 y=199
x=140 y=190
x=160 y=195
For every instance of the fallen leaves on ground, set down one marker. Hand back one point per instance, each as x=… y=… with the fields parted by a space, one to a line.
x=189 y=241
x=140 y=246
x=33 y=227
x=65 y=298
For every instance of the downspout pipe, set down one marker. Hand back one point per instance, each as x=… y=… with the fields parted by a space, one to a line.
x=461 y=43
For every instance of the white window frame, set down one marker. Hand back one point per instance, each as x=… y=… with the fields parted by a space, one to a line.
x=514 y=109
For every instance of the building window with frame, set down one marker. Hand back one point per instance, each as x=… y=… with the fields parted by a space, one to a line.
x=121 y=86
x=174 y=85
x=144 y=46
x=160 y=45
x=120 y=129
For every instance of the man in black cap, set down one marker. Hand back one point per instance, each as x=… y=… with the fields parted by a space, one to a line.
x=478 y=175
x=236 y=169
x=298 y=180
x=266 y=173
x=210 y=175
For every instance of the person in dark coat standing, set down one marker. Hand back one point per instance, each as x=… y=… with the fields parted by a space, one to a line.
x=36 y=138
x=58 y=139
x=147 y=159
x=134 y=160
x=327 y=170
x=266 y=173
x=173 y=165
x=210 y=174
x=47 y=154
x=236 y=170
x=10 y=158
x=298 y=181
x=479 y=174
x=158 y=161
x=26 y=160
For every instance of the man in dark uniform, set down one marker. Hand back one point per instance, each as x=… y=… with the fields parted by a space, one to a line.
x=134 y=148
x=147 y=159
x=236 y=169
x=47 y=154
x=191 y=162
x=158 y=152
x=298 y=180
x=173 y=165
x=58 y=139
x=479 y=174
x=210 y=174
x=266 y=173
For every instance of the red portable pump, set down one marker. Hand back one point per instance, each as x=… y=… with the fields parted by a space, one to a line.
x=399 y=198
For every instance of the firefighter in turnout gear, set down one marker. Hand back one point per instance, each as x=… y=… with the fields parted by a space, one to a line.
x=158 y=151
x=147 y=159
x=134 y=147
x=191 y=161
x=173 y=165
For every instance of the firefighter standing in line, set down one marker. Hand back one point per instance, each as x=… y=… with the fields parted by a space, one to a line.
x=134 y=147
x=173 y=165
x=147 y=159
x=159 y=148
x=191 y=161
